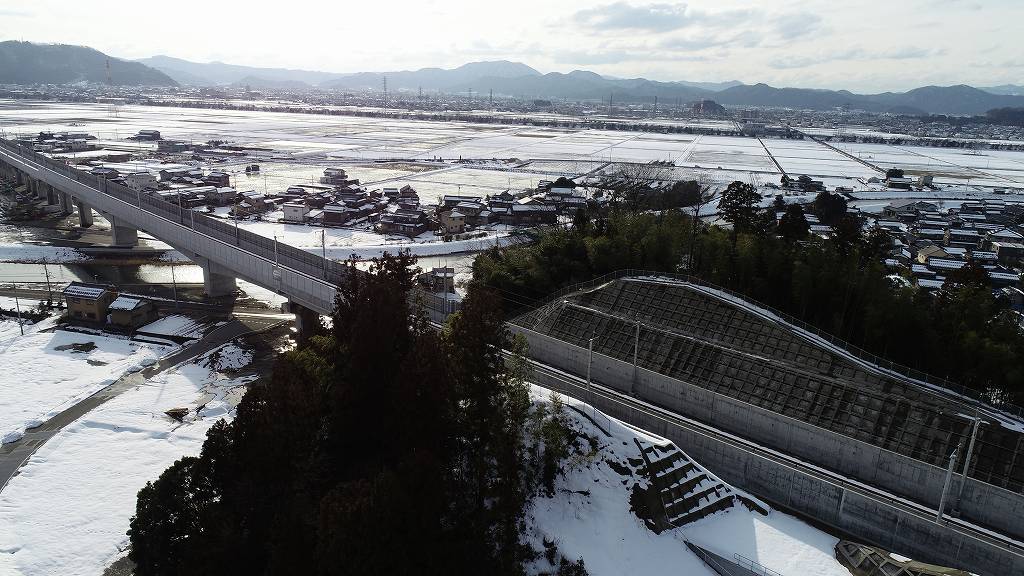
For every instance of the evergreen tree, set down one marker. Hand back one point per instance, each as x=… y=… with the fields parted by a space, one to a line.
x=793 y=225
x=377 y=447
x=738 y=206
x=829 y=208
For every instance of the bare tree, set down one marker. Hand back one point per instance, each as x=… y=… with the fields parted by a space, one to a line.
x=706 y=190
x=630 y=185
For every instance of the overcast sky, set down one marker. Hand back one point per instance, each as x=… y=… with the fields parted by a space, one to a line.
x=861 y=45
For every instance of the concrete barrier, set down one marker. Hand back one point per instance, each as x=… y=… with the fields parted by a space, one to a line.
x=983 y=504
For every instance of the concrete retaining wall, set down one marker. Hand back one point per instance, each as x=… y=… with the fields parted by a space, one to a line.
x=982 y=504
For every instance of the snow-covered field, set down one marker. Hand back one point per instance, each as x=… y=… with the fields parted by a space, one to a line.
x=67 y=511
x=590 y=518
x=47 y=372
x=306 y=140
x=20 y=252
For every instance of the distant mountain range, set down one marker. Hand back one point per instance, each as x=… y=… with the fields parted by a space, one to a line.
x=27 y=63
x=1006 y=90
x=517 y=79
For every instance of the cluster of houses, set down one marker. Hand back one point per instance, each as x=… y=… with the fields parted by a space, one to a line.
x=57 y=142
x=537 y=207
x=930 y=243
x=397 y=210
x=100 y=304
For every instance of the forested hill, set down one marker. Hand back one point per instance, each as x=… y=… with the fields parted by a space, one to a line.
x=28 y=63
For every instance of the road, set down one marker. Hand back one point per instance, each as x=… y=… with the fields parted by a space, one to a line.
x=15 y=454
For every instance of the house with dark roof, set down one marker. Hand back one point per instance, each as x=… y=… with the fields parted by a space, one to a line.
x=89 y=302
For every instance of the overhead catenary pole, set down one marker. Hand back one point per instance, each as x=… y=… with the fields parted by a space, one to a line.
x=590 y=388
x=967 y=459
x=636 y=353
x=945 y=485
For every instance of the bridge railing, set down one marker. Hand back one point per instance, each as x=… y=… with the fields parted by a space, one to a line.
x=281 y=254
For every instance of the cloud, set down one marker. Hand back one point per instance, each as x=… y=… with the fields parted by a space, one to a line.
x=617 y=56
x=791 y=26
x=660 y=17
x=9 y=13
x=855 y=54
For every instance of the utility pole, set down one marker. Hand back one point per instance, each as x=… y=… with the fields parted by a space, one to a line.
x=49 y=291
x=491 y=100
x=17 y=306
x=174 y=287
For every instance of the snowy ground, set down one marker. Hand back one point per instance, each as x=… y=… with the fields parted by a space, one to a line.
x=43 y=372
x=20 y=252
x=590 y=517
x=175 y=325
x=67 y=511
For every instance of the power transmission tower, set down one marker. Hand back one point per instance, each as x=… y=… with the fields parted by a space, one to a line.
x=655 y=105
x=109 y=80
x=490 y=100
x=610 y=94
x=385 y=94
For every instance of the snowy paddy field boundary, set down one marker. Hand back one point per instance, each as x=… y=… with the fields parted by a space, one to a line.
x=92 y=470
x=77 y=365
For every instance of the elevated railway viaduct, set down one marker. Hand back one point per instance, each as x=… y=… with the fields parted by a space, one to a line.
x=224 y=251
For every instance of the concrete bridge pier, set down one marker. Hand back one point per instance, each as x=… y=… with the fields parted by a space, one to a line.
x=307 y=322
x=217 y=281
x=64 y=200
x=123 y=235
x=51 y=194
x=84 y=214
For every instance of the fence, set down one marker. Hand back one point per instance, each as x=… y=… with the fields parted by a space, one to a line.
x=912 y=375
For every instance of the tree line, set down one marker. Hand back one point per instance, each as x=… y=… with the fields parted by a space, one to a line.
x=838 y=284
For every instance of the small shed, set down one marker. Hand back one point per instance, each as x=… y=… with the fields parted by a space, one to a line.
x=130 y=313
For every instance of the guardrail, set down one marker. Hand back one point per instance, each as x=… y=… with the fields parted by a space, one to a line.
x=882 y=364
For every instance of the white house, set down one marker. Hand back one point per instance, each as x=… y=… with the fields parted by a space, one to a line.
x=294 y=211
x=141 y=181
